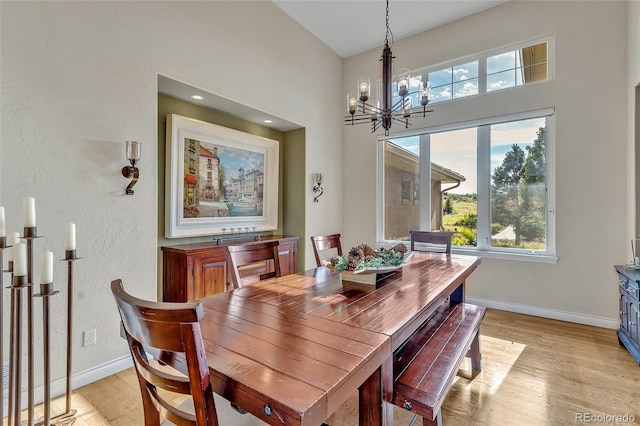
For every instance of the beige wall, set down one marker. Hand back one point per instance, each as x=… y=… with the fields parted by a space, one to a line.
x=590 y=149
x=292 y=170
x=633 y=115
x=80 y=78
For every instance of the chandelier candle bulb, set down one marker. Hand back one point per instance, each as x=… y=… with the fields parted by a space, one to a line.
x=364 y=87
x=70 y=243
x=352 y=103
x=403 y=82
x=20 y=260
x=46 y=276
x=29 y=205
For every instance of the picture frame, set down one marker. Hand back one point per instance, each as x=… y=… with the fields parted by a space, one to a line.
x=218 y=180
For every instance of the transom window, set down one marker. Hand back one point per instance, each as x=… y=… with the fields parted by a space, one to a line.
x=487 y=72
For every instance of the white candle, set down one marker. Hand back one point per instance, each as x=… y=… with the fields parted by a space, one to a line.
x=29 y=204
x=14 y=238
x=71 y=237
x=3 y=225
x=47 y=268
x=20 y=259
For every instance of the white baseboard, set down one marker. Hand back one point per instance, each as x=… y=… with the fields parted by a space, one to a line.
x=107 y=369
x=82 y=378
x=548 y=313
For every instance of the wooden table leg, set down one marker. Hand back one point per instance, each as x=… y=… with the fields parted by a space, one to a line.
x=374 y=393
x=370 y=400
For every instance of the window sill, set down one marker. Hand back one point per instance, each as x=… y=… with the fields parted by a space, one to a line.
x=523 y=257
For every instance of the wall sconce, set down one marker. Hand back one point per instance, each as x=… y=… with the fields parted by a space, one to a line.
x=317 y=187
x=131 y=172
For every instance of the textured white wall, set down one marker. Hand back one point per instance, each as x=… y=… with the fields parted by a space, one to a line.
x=590 y=96
x=79 y=78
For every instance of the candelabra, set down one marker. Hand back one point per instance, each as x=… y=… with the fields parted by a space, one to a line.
x=239 y=233
x=21 y=269
x=3 y=245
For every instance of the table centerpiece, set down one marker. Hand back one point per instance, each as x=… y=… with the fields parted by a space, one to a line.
x=365 y=260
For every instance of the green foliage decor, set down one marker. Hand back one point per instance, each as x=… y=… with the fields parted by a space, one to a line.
x=363 y=256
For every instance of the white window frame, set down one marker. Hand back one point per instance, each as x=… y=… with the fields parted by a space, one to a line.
x=481 y=57
x=483 y=191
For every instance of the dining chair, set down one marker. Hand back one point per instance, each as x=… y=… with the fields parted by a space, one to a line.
x=174 y=329
x=325 y=242
x=432 y=241
x=254 y=262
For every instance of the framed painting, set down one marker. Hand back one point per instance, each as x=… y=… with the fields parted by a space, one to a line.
x=218 y=180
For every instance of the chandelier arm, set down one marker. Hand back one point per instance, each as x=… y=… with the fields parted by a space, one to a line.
x=357 y=120
x=370 y=107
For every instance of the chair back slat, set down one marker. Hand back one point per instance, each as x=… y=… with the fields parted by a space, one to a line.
x=263 y=259
x=173 y=329
x=325 y=242
x=433 y=239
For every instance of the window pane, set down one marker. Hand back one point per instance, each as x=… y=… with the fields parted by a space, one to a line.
x=534 y=60
x=454 y=201
x=465 y=71
x=502 y=62
x=465 y=88
x=439 y=78
x=518 y=184
x=401 y=176
x=518 y=67
x=501 y=80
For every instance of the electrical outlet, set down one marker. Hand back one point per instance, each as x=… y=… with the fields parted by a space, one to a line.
x=90 y=337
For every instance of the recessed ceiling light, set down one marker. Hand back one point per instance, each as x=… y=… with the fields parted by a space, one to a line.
x=197 y=97
x=268 y=121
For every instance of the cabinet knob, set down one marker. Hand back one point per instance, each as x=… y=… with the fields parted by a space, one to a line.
x=267 y=410
x=408 y=405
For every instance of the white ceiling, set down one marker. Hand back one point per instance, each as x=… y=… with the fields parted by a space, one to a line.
x=348 y=27
x=354 y=26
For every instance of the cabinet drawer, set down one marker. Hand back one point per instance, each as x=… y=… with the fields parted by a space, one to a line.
x=629 y=286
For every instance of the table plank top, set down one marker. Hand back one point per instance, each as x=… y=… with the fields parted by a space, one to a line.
x=303 y=343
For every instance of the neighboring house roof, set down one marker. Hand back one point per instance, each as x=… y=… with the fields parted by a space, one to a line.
x=406 y=160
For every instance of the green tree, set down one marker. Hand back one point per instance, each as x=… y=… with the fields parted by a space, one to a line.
x=505 y=204
x=518 y=190
x=448 y=209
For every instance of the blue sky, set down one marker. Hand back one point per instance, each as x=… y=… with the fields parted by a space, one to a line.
x=456 y=150
x=233 y=158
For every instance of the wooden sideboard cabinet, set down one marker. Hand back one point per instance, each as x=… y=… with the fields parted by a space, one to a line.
x=193 y=271
x=629 y=331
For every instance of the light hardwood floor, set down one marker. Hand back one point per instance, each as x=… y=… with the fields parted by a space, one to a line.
x=536 y=371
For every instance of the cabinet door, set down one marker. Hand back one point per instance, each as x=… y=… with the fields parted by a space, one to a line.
x=624 y=311
x=633 y=321
x=209 y=276
x=288 y=257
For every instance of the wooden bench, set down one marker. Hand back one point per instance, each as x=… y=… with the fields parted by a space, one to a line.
x=425 y=366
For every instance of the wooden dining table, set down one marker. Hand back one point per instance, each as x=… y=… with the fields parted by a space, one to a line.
x=291 y=350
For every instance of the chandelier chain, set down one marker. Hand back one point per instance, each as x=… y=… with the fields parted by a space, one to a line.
x=386 y=37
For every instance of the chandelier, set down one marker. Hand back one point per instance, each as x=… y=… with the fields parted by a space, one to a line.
x=383 y=112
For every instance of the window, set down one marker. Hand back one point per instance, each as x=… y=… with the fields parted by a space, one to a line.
x=517 y=67
x=487 y=181
x=486 y=72
x=454 y=82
